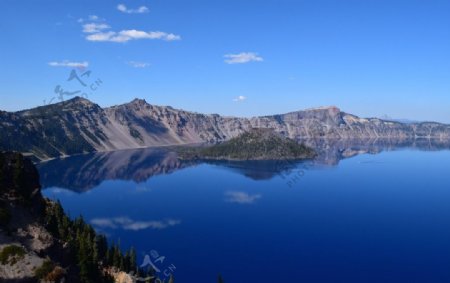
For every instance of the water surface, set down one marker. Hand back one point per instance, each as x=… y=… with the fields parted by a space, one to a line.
x=357 y=214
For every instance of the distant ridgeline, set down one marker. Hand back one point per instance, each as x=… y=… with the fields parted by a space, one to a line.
x=256 y=144
x=79 y=126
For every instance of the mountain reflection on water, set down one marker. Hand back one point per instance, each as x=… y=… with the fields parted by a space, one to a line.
x=82 y=173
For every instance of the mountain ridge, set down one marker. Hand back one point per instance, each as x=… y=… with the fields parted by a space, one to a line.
x=80 y=126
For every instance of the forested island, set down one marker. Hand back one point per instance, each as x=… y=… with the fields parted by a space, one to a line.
x=255 y=144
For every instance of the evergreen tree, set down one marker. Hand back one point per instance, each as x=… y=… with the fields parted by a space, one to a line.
x=91 y=251
x=102 y=247
x=109 y=256
x=116 y=256
x=95 y=253
x=133 y=264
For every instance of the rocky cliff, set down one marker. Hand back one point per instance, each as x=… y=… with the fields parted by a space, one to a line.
x=39 y=243
x=79 y=126
x=23 y=237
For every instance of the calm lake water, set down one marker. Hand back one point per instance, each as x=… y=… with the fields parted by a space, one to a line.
x=354 y=215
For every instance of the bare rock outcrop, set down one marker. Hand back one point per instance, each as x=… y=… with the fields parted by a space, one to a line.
x=80 y=126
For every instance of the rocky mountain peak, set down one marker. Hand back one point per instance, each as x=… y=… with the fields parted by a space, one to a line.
x=327 y=108
x=78 y=125
x=136 y=104
x=77 y=101
x=331 y=110
x=139 y=101
x=325 y=114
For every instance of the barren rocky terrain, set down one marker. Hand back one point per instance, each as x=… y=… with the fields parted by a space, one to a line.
x=79 y=126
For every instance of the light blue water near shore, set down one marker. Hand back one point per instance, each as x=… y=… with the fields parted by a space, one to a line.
x=369 y=218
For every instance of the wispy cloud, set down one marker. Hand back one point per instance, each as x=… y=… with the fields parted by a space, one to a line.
x=136 y=64
x=104 y=223
x=240 y=98
x=69 y=64
x=241 y=197
x=140 y=10
x=94 y=27
x=91 y=18
x=127 y=35
x=97 y=32
x=127 y=223
x=241 y=58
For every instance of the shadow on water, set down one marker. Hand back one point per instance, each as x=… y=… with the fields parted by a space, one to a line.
x=84 y=172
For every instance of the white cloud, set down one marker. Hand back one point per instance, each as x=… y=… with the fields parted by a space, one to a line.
x=240 y=98
x=241 y=58
x=101 y=36
x=124 y=9
x=97 y=30
x=94 y=27
x=69 y=64
x=127 y=35
x=136 y=64
x=241 y=197
x=129 y=224
x=103 y=223
x=92 y=18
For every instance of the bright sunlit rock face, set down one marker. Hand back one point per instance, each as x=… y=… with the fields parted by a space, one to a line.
x=79 y=125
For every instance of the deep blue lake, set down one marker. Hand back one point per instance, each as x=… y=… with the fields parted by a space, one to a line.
x=351 y=216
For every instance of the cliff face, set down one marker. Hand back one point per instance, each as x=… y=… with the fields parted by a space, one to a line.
x=39 y=243
x=78 y=126
x=23 y=239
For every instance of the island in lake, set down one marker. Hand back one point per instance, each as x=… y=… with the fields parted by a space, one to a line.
x=256 y=144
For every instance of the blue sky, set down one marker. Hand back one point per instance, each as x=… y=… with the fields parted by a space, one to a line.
x=368 y=57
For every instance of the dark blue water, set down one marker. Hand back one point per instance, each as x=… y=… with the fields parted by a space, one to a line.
x=369 y=218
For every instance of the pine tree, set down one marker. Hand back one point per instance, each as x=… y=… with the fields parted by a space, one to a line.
x=126 y=262
x=121 y=261
x=83 y=261
x=109 y=256
x=95 y=253
x=102 y=247
x=116 y=256
x=133 y=264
